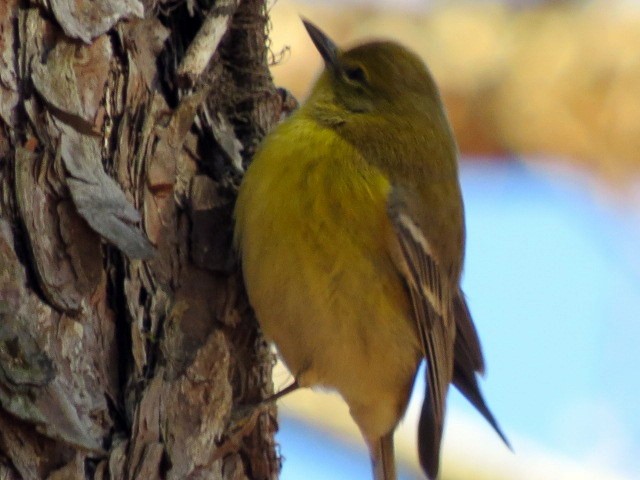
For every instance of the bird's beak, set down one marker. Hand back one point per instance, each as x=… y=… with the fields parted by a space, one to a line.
x=324 y=44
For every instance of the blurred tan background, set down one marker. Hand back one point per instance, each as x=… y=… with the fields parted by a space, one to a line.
x=554 y=79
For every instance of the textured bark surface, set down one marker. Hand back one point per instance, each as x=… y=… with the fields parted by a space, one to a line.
x=127 y=346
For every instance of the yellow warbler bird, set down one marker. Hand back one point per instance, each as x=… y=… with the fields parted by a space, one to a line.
x=350 y=226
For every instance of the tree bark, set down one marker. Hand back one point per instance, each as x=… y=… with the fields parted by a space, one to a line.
x=127 y=345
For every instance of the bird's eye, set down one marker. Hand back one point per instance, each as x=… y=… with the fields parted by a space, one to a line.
x=356 y=74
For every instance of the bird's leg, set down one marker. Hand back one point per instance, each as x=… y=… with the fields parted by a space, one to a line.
x=278 y=395
x=245 y=419
x=246 y=410
x=382 y=458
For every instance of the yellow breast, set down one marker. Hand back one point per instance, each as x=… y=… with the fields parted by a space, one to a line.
x=313 y=232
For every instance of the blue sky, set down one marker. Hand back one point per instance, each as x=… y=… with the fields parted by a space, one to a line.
x=556 y=298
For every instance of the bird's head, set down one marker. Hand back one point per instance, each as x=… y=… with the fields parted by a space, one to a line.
x=380 y=77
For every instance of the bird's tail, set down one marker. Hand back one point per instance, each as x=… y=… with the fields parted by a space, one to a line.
x=467 y=361
x=429 y=438
x=467 y=384
x=382 y=458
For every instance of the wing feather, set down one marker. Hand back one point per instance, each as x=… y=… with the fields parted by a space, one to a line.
x=432 y=310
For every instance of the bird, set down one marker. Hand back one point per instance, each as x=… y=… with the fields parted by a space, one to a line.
x=349 y=223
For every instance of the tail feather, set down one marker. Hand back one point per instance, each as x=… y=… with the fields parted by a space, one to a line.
x=429 y=438
x=383 y=460
x=467 y=344
x=468 y=386
x=467 y=361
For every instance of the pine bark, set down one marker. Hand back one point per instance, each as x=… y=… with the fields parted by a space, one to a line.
x=128 y=349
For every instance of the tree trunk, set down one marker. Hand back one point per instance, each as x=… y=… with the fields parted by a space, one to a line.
x=127 y=346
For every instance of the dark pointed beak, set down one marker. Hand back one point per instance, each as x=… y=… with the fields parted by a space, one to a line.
x=324 y=44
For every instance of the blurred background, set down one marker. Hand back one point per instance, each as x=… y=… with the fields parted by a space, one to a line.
x=544 y=98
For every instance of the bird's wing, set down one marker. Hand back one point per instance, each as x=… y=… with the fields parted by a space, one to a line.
x=431 y=301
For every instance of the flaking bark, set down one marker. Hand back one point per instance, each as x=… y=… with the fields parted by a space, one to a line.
x=127 y=344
